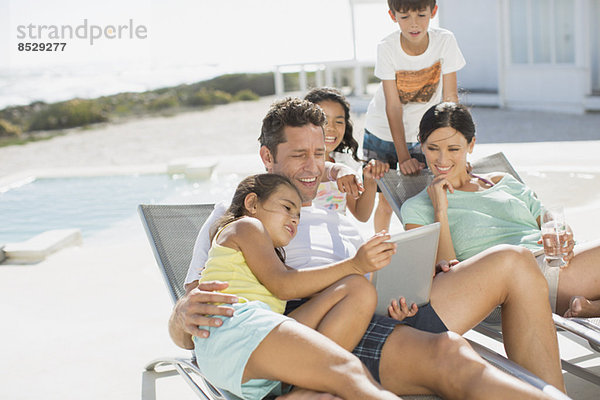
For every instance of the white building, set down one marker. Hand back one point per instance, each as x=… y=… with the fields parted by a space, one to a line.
x=523 y=54
x=531 y=54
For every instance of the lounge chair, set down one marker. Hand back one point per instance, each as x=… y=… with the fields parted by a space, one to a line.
x=398 y=188
x=172 y=231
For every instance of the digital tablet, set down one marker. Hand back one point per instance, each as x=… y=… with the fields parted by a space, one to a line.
x=410 y=272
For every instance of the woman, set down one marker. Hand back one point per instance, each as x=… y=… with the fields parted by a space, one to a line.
x=478 y=212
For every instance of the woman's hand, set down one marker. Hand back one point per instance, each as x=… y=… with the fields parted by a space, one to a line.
x=437 y=192
x=444 y=266
x=399 y=310
x=568 y=247
x=374 y=254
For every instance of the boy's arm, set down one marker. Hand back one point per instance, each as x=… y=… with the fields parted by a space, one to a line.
x=450 y=87
x=393 y=111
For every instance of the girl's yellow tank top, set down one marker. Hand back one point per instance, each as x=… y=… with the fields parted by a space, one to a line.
x=229 y=265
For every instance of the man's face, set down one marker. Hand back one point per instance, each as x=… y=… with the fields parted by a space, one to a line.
x=301 y=159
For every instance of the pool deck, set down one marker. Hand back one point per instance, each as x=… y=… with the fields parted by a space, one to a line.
x=84 y=322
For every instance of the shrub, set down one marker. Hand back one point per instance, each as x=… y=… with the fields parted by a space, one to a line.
x=164 y=101
x=260 y=83
x=8 y=129
x=66 y=114
x=245 y=95
x=201 y=97
x=221 y=97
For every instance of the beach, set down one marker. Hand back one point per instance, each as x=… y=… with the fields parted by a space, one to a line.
x=84 y=322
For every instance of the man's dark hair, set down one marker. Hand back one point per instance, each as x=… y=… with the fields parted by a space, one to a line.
x=410 y=5
x=288 y=112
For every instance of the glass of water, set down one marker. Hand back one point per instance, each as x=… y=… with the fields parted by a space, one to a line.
x=554 y=235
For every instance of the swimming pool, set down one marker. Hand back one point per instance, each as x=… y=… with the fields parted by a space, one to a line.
x=95 y=203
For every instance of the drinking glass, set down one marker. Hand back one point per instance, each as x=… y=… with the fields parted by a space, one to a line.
x=554 y=235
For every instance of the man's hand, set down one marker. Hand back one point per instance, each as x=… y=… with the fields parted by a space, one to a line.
x=411 y=166
x=192 y=311
x=374 y=254
x=400 y=310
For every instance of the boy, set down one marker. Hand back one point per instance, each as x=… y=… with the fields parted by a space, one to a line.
x=417 y=67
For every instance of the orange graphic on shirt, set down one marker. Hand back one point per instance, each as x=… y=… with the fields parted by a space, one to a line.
x=418 y=86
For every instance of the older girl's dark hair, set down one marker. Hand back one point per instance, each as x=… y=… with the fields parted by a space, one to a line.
x=263 y=185
x=348 y=143
x=447 y=114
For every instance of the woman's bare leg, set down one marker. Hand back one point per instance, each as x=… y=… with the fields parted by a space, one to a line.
x=341 y=312
x=581 y=278
x=305 y=394
x=296 y=354
x=416 y=362
x=509 y=276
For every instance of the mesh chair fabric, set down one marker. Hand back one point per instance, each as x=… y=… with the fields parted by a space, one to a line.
x=174 y=229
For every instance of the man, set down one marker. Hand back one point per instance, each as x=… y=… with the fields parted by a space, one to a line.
x=401 y=355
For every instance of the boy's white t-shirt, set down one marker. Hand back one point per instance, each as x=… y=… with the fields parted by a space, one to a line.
x=418 y=78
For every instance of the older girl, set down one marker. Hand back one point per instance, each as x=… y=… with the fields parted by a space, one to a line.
x=342 y=147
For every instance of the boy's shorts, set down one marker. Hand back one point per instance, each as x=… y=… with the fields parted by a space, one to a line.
x=223 y=356
x=384 y=151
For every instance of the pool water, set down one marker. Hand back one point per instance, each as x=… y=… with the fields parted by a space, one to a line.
x=95 y=203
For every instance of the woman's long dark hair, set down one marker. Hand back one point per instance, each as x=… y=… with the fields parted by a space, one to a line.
x=348 y=143
x=263 y=185
x=447 y=114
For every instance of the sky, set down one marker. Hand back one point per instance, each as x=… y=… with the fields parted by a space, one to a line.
x=184 y=41
x=235 y=33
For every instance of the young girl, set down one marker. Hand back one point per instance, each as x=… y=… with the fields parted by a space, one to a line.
x=342 y=147
x=478 y=212
x=257 y=346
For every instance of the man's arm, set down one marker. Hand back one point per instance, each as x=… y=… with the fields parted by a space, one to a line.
x=190 y=312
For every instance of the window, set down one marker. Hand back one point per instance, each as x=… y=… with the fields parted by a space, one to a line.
x=542 y=31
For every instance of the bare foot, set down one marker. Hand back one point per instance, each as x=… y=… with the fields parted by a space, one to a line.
x=305 y=394
x=581 y=307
